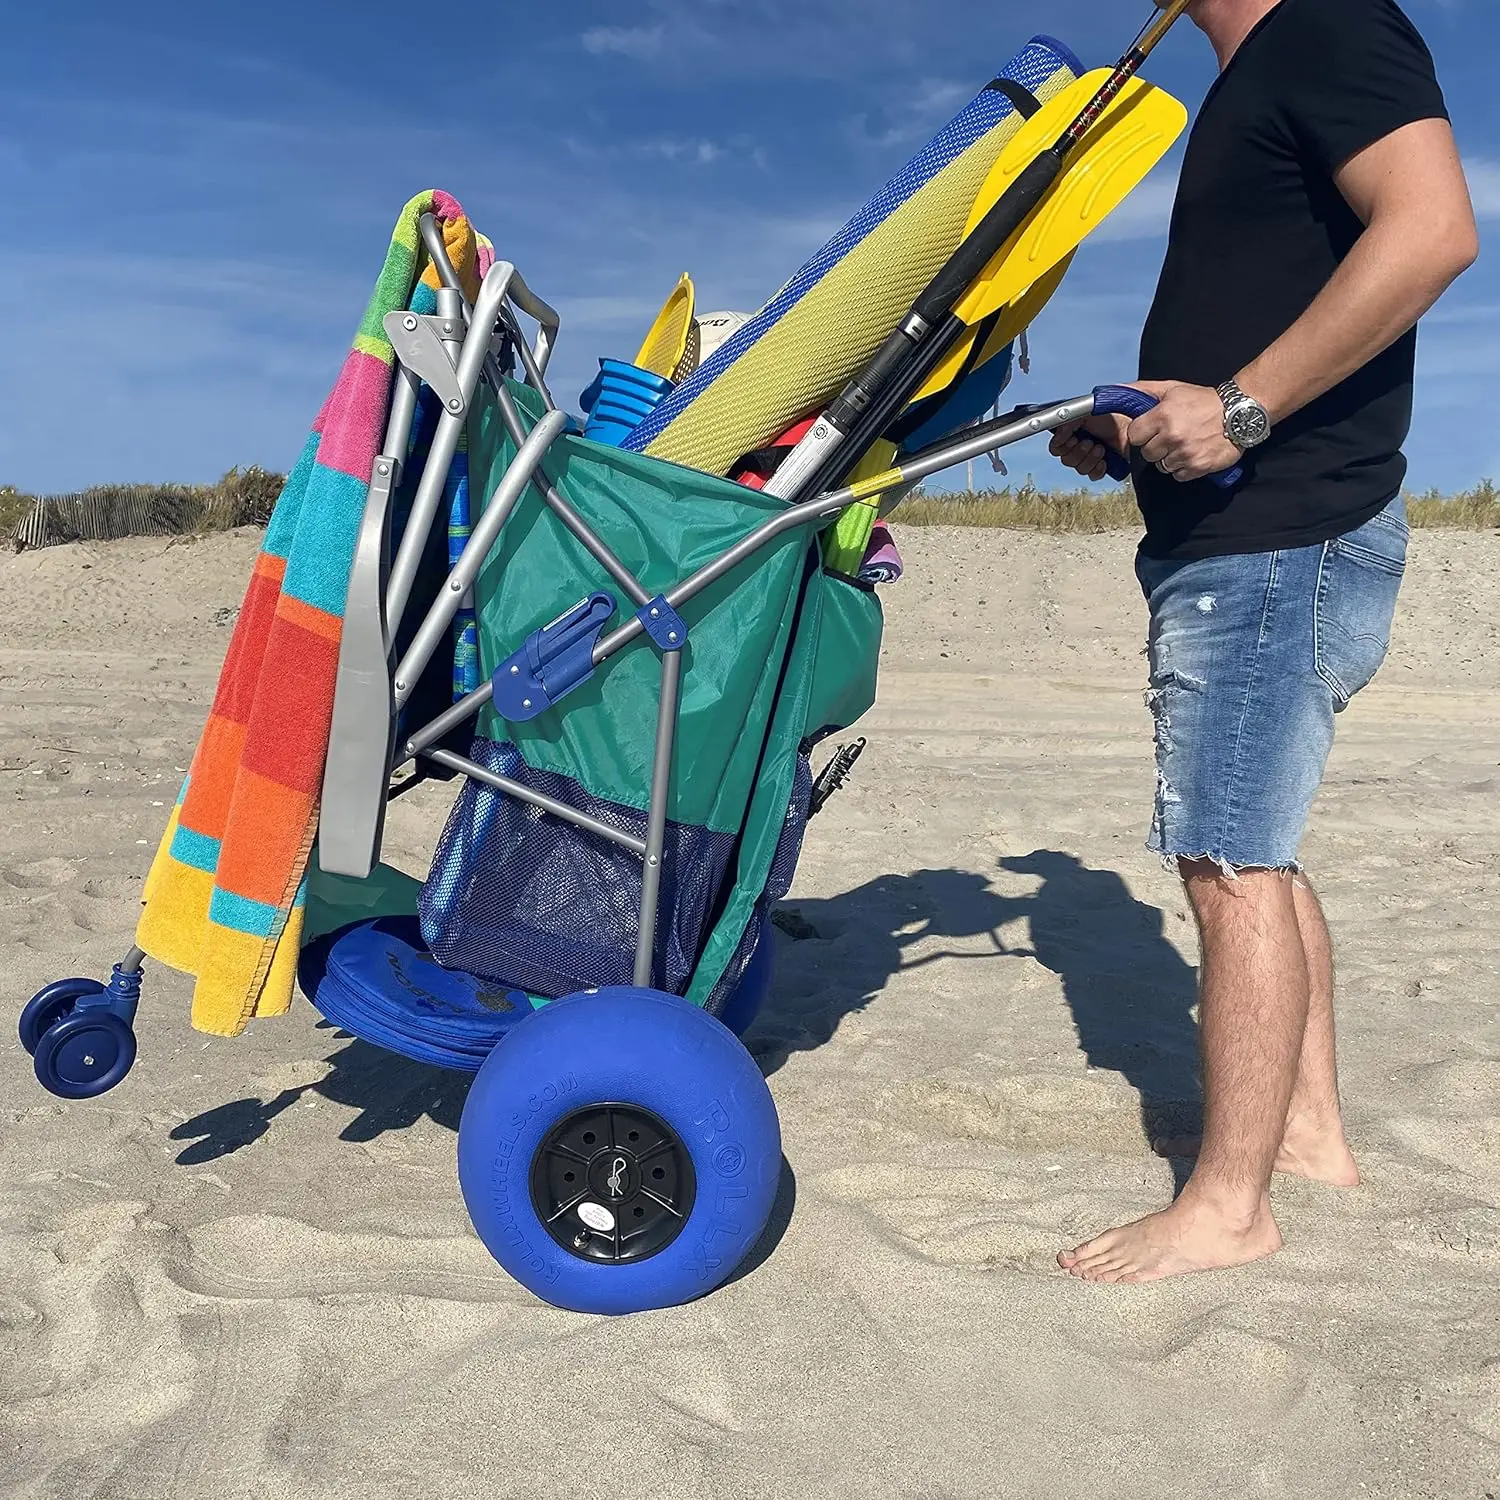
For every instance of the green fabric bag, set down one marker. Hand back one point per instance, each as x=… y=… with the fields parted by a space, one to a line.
x=777 y=650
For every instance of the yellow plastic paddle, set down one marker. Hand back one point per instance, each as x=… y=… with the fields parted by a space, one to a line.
x=847 y=541
x=663 y=348
x=1129 y=138
x=1015 y=318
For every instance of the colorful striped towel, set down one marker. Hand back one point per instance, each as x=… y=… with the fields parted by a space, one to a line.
x=227 y=891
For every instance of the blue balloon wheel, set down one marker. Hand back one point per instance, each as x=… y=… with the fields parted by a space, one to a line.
x=84 y=1055
x=47 y=1007
x=667 y=1129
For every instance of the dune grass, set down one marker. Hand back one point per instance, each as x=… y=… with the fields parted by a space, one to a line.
x=1472 y=510
x=1088 y=511
x=1025 y=508
x=13 y=505
x=245 y=497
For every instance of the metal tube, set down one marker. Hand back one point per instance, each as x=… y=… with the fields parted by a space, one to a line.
x=820 y=509
x=437 y=252
x=533 y=368
x=454 y=312
x=546 y=317
x=537 y=799
x=471 y=362
x=512 y=486
x=451 y=718
x=419 y=522
x=596 y=548
x=824 y=507
x=131 y=963
x=403 y=414
x=656 y=815
x=565 y=512
x=979 y=441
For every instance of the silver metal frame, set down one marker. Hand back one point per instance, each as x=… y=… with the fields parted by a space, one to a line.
x=452 y=353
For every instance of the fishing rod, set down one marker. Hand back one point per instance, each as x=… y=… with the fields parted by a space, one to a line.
x=870 y=402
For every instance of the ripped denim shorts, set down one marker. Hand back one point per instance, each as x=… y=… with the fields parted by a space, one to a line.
x=1251 y=657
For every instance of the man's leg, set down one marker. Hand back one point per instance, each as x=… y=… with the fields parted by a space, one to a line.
x=1251 y=658
x=1243 y=726
x=1313 y=1144
x=1254 y=1007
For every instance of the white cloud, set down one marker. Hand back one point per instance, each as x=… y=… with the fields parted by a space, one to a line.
x=689 y=150
x=1484 y=186
x=911 y=117
x=699 y=152
x=1458 y=340
x=639 y=42
x=1145 y=214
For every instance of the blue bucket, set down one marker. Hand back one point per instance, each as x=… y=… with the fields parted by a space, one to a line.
x=620 y=398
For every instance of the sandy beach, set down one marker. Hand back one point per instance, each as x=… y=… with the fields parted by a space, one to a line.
x=247 y=1272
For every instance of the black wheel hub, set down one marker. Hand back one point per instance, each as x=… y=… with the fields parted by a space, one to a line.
x=612 y=1183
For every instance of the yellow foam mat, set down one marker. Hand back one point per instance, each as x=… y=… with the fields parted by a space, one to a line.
x=807 y=357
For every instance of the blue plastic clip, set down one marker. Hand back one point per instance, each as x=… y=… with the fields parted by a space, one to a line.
x=663 y=624
x=553 y=661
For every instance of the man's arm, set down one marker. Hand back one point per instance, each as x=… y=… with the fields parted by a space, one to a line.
x=1420 y=236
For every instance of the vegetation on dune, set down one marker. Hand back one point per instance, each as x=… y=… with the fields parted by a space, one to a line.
x=1027 y=508
x=1472 y=510
x=13 y=505
x=246 y=497
x=243 y=497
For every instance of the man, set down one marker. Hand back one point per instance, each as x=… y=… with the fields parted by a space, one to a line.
x=1322 y=210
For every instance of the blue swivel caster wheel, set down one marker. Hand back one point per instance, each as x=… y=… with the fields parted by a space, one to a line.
x=79 y=1035
x=51 y=1005
x=85 y=1054
x=619 y=1151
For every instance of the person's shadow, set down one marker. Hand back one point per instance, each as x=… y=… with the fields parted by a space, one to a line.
x=1130 y=992
x=817 y=983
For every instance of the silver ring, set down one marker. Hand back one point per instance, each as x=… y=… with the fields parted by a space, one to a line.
x=1161 y=464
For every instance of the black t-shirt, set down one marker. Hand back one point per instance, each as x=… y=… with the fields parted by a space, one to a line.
x=1258 y=230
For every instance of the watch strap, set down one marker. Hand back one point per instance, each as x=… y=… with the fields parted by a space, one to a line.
x=1233 y=397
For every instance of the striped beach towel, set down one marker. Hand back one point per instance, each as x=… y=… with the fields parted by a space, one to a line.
x=227 y=891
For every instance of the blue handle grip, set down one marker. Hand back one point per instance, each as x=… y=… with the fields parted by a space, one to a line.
x=1126 y=401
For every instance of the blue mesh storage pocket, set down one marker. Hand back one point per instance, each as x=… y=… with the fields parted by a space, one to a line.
x=518 y=896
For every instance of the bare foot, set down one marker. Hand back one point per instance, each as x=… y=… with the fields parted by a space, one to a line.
x=1188 y=1236
x=1308 y=1149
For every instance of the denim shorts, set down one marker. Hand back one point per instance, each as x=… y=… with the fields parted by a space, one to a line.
x=1251 y=657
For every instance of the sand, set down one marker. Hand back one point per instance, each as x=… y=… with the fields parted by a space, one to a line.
x=247 y=1272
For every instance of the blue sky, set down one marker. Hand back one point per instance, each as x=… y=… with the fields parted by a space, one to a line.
x=201 y=195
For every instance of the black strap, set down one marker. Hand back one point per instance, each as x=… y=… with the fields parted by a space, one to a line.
x=916 y=416
x=763 y=462
x=1018 y=94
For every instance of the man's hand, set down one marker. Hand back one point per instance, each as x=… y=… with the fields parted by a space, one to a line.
x=1075 y=444
x=1184 y=434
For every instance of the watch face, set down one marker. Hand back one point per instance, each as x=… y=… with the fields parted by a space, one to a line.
x=1248 y=424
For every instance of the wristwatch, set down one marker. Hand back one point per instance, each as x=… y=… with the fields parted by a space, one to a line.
x=1246 y=421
